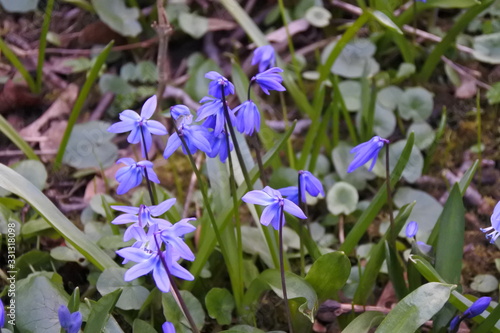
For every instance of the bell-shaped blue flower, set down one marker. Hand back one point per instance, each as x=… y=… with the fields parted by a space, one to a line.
x=247 y=117
x=265 y=57
x=276 y=206
x=494 y=230
x=152 y=260
x=270 y=80
x=411 y=229
x=309 y=184
x=219 y=147
x=133 y=122
x=218 y=83
x=70 y=322
x=213 y=112
x=196 y=137
x=365 y=152
x=181 y=114
x=131 y=175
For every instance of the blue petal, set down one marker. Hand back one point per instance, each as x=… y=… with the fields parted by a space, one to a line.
x=258 y=197
x=168 y=327
x=149 y=107
x=269 y=214
x=161 y=278
x=172 y=144
x=293 y=209
x=161 y=208
x=180 y=272
x=139 y=269
x=155 y=127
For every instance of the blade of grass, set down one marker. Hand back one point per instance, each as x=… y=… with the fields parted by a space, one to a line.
x=15 y=183
x=43 y=45
x=395 y=269
x=432 y=149
x=378 y=201
x=14 y=60
x=94 y=73
x=12 y=134
x=448 y=40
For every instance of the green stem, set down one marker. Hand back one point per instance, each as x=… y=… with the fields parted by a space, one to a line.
x=389 y=197
x=282 y=271
x=14 y=60
x=289 y=146
x=43 y=45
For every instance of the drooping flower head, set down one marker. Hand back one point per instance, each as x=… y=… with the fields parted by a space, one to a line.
x=270 y=80
x=276 y=206
x=213 y=112
x=181 y=114
x=265 y=57
x=195 y=136
x=247 y=117
x=219 y=147
x=411 y=229
x=168 y=327
x=365 y=152
x=219 y=82
x=70 y=322
x=480 y=305
x=494 y=230
x=131 y=175
x=310 y=184
x=140 y=126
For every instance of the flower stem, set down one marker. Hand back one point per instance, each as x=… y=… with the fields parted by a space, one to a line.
x=148 y=182
x=256 y=146
x=282 y=271
x=301 y=231
x=176 y=293
x=389 y=196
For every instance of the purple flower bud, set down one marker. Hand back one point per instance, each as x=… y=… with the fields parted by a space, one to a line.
x=70 y=322
x=411 y=229
x=131 y=175
x=168 y=327
x=309 y=184
x=265 y=57
x=477 y=307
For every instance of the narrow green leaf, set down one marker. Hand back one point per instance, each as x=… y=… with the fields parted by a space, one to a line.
x=378 y=201
x=43 y=45
x=74 y=301
x=14 y=60
x=395 y=269
x=328 y=274
x=101 y=311
x=89 y=83
x=13 y=182
x=467 y=177
x=416 y=308
x=364 y=322
x=16 y=139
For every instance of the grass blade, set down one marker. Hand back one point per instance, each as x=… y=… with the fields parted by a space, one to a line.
x=16 y=139
x=94 y=73
x=14 y=60
x=15 y=183
x=43 y=45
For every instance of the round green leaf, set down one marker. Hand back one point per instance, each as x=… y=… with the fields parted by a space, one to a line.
x=405 y=70
x=146 y=72
x=34 y=171
x=351 y=93
x=389 y=96
x=220 y=305
x=133 y=294
x=416 y=308
x=19 y=6
x=174 y=314
x=114 y=84
x=484 y=283
x=194 y=25
x=118 y=16
x=416 y=103
x=413 y=169
x=318 y=16
x=487 y=48
x=342 y=198
x=329 y=274
x=424 y=134
x=243 y=329
x=384 y=121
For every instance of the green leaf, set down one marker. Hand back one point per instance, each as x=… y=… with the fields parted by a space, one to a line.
x=318 y=16
x=493 y=94
x=34 y=171
x=484 y=283
x=468 y=176
x=141 y=326
x=101 y=311
x=416 y=104
x=114 y=84
x=64 y=253
x=243 y=329
x=116 y=15
x=405 y=70
x=10 y=132
x=342 y=198
x=487 y=48
x=329 y=274
x=385 y=21
x=194 y=25
x=220 y=305
x=174 y=314
x=364 y=322
x=413 y=169
x=133 y=294
x=351 y=93
x=388 y=97
x=19 y=6
x=13 y=182
x=146 y=72
x=34 y=227
x=424 y=134
x=416 y=308
x=197 y=85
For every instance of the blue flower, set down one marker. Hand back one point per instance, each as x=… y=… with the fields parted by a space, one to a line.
x=196 y=137
x=276 y=206
x=131 y=121
x=247 y=117
x=219 y=147
x=168 y=327
x=411 y=229
x=143 y=215
x=365 y=152
x=213 y=112
x=291 y=193
x=151 y=260
x=70 y=322
x=218 y=81
x=131 y=175
x=494 y=230
x=181 y=113
x=270 y=80
x=173 y=235
x=265 y=57
x=480 y=305
x=309 y=184
x=2 y=315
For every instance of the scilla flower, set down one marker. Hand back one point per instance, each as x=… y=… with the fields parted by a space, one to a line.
x=133 y=122
x=494 y=230
x=247 y=117
x=480 y=305
x=309 y=184
x=219 y=82
x=219 y=147
x=131 y=175
x=367 y=151
x=276 y=206
x=181 y=114
x=213 y=112
x=195 y=136
x=142 y=215
x=411 y=229
x=291 y=193
x=265 y=57
x=270 y=80
x=70 y=322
